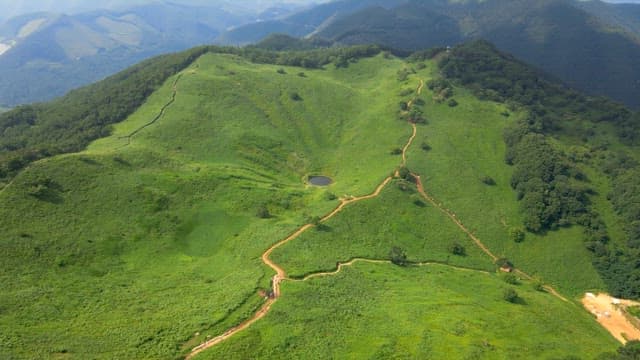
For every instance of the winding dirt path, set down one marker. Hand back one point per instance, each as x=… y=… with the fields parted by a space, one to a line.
x=281 y=274
x=474 y=238
x=163 y=110
x=351 y=262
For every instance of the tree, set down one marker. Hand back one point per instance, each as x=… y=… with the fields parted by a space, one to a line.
x=398 y=256
x=516 y=234
x=510 y=295
x=630 y=351
x=295 y=96
x=263 y=212
x=457 y=249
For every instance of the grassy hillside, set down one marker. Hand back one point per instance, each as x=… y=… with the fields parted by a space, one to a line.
x=590 y=50
x=164 y=229
x=383 y=311
x=166 y=220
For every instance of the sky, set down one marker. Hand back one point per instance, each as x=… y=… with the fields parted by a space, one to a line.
x=12 y=8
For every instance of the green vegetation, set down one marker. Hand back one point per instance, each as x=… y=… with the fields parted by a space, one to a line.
x=163 y=227
x=33 y=132
x=166 y=220
x=554 y=35
x=370 y=228
x=384 y=311
x=550 y=178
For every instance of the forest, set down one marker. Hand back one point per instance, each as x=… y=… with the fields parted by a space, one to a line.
x=552 y=191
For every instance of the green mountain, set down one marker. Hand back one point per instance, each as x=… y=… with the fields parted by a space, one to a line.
x=300 y=24
x=44 y=55
x=591 y=46
x=167 y=197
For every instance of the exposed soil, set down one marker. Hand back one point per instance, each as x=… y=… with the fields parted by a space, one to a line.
x=610 y=313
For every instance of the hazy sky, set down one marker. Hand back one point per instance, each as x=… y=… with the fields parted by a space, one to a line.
x=12 y=8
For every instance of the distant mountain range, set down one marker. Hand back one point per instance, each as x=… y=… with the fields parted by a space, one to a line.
x=591 y=45
x=44 y=55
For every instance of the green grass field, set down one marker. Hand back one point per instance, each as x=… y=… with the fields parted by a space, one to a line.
x=132 y=247
x=381 y=311
x=369 y=229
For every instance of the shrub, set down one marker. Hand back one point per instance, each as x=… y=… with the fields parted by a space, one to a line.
x=426 y=147
x=488 y=180
x=510 y=279
x=517 y=234
x=452 y=103
x=263 y=212
x=396 y=151
x=510 y=295
x=281 y=71
x=295 y=96
x=398 y=256
x=503 y=262
x=457 y=249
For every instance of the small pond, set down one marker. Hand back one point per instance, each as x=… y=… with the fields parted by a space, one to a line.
x=319 y=180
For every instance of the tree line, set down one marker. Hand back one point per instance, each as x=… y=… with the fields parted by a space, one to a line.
x=551 y=189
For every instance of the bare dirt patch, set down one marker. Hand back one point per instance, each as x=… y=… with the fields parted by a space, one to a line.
x=610 y=313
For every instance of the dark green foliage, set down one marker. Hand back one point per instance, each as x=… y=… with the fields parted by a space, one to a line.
x=424 y=146
x=398 y=256
x=295 y=96
x=510 y=279
x=68 y=124
x=630 y=351
x=442 y=90
x=510 y=295
x=396 y=151
x=499 y=77
x=404 y=106
x=488 y=180
x=516 y=234
x=263 y=212
x=281 y=71
x=32 y=132
x=457 y=249
x=405 y=174
x=416 y=115
x=452 y=103
x=329 y=196
x=552 y=190
x=504 y=262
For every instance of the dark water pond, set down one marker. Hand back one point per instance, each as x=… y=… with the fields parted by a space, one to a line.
x=319 y=180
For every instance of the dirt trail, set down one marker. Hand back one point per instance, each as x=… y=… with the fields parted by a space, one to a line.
x=164 y=108
x=341 y=265
x=475 y=239
x=281 y=274
x=610 y=313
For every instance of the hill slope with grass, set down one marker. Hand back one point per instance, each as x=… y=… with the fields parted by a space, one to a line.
x=194 y=216
x=591 y=46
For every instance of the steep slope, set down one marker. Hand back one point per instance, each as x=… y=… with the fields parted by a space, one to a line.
x=300 y=24
x=592 y=51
